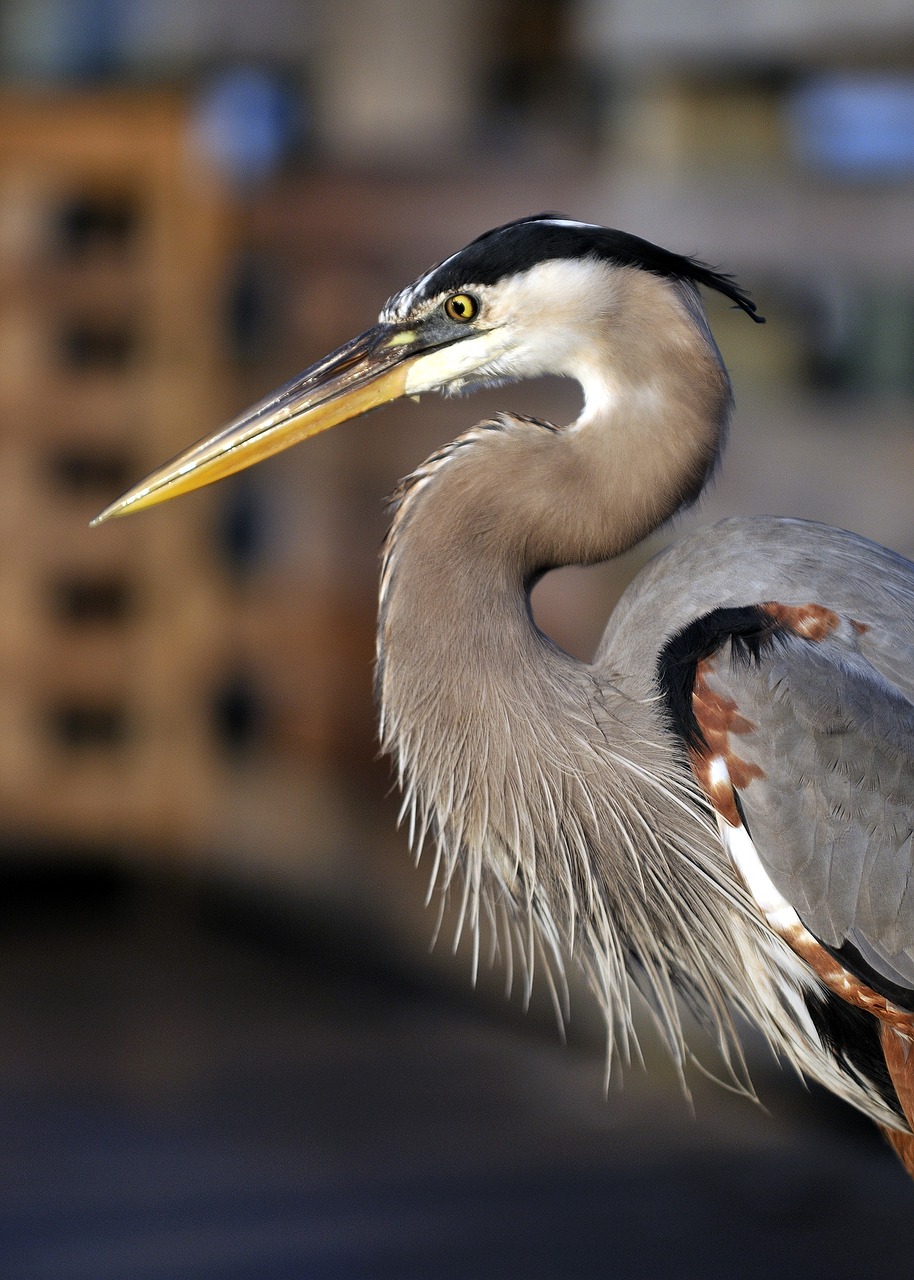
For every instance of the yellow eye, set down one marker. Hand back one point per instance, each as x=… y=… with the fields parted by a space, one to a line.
x=461 y=307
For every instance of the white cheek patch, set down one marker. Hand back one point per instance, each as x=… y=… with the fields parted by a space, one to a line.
x=539 y=322
x=435 y=371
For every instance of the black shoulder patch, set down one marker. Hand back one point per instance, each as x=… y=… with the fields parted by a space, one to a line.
x=749 y=630
x=851 y=1036
x=519 y=245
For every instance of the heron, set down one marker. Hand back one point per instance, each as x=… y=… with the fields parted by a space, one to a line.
x=717 y=810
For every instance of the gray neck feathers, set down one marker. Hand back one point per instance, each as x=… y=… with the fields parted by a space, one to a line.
x=525 y=769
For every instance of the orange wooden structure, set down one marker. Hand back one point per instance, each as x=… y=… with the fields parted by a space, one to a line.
x=115 y=240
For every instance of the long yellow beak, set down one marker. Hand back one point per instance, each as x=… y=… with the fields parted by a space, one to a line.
x=367 y=372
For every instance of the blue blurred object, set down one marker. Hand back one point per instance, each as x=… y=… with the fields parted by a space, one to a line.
x=857 y=125
x=244 y=123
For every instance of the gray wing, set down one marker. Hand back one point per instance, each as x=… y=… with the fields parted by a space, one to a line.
x=828 y=787
x=826 y=738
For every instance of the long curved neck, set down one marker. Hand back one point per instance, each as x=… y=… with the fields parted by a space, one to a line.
x=563 y=801
x=466 y=681
x=510 y=499
x=528 y=768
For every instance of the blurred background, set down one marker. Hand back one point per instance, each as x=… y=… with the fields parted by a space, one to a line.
x=225 y=1047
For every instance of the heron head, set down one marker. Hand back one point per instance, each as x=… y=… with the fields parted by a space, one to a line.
x=524 y=299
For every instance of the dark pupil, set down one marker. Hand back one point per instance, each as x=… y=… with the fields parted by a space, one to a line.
x=459 y=306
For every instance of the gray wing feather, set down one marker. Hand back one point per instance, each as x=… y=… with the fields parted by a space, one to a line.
x=833 y=814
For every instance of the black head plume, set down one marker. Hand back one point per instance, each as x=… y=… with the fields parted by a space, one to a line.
x=519 y=245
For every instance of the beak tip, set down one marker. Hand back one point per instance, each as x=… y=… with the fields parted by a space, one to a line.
x=358 y=377
x=110 y=512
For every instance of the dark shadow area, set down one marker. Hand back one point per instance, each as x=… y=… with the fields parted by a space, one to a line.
x=196 y=1085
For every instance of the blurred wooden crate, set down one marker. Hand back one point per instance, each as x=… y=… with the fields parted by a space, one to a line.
x=115 y=244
